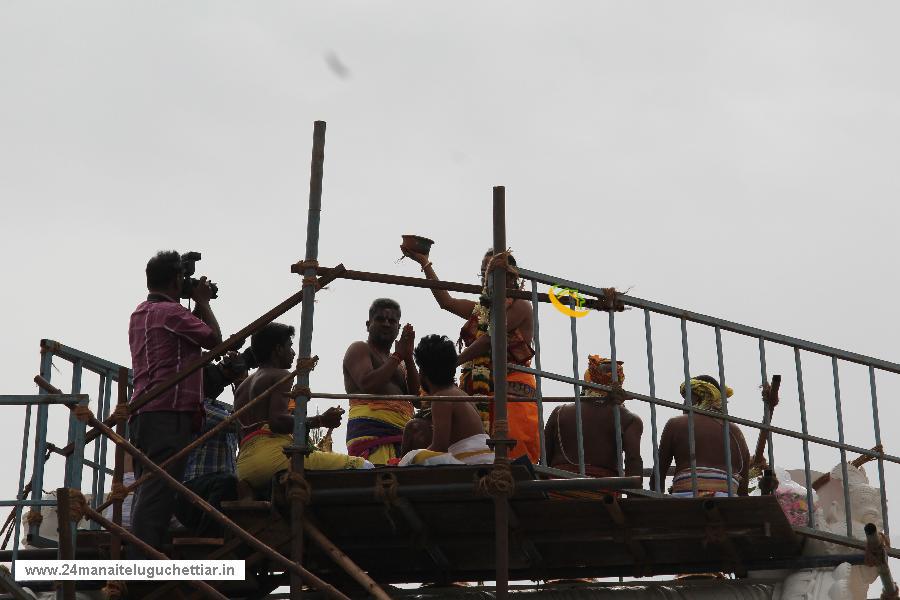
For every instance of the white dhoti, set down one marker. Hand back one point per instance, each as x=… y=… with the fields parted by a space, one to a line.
x=472 y=450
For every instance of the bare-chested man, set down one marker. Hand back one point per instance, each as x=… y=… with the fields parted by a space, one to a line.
x=712 y=477
x=598 y=429
x=458 y=434
x=268 y=427
x=375 y=427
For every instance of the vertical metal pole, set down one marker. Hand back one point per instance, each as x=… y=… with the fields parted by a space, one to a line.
x=101 y=484
x=767 y=412
x=617 y=413
x=40 y=443
x=537 y=363
x=692 y=442
x=840 y=425
x=71 y=464
x=802 y=398
x=95 y=476
x=877 y=423
x=299 y=448
x=726 y=431
x=498 y=364
x=652 y=376
x=115 y=544
x=579 y=430
x=21 y=494
x=66 y=550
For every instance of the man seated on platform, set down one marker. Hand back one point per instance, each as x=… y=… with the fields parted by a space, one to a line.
x=709 y=449
x=375 y=427
x=458 y=434
x=267 y=427
x=601 y=457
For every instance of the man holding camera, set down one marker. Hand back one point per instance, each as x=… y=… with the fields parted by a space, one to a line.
x=165 y=337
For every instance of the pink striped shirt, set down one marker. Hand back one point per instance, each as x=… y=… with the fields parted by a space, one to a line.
x=164 y=337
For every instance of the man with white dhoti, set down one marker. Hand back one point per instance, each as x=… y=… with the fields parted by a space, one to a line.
x=458 y=433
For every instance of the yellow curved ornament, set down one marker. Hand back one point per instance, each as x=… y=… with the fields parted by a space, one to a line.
x=562 y=307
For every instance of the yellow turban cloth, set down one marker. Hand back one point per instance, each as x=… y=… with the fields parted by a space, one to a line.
x=705 y=395
x=596 y=373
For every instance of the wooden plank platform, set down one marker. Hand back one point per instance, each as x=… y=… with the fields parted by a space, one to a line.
x=445 y=536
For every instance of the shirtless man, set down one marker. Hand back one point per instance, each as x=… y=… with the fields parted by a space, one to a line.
x=375 y=427
x=599 y=432
x=267 y=427
x=457 y=431
x=709 y=447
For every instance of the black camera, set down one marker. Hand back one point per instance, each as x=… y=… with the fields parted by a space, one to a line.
x=239 y=363
x=188 y=283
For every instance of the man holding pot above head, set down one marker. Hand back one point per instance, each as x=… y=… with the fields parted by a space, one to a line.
x=477 y=375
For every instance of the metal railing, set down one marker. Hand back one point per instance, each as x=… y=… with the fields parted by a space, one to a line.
x=762 y=336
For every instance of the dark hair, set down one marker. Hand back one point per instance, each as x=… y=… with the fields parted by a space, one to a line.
x=163 y=268
x=510 y=258
x=436 y=358
x=707 y=379
x=264 y=341
x=381 y=303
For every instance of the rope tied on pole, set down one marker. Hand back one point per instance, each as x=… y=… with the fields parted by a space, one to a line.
x=34 y=517
x=113 y=590
x=118 y=492
x=498 y=483
x=121 y=413
x=307 y=363
x=501 y=260
x=298 y=487
x=77 y=505
x=501 y=426
x=610 y=300
x=82 y=413
x=312 y=280
x=616 y=394
x=306 y=264
x=301 y=391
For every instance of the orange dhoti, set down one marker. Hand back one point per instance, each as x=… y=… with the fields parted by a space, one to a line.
x=522 y=416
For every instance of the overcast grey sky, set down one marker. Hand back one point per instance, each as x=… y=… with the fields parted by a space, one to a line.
x=735 y=159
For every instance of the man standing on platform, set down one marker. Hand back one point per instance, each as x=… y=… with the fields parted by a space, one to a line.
x=375 y=427
x=164 y=337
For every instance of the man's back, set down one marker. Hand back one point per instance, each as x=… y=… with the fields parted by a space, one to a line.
x=257 y=383
x=599 y=436
x=164 y=337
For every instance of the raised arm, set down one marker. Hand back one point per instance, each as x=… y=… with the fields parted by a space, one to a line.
x=458 y=306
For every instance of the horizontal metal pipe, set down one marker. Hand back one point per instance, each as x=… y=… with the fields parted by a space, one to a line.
x=825 y=536
x=437 y=284
x=27 y=502
x=717 y=415
x=24 y=399
x=551 y=485
x=434 y=398
x=90 y=362
x=716 y=322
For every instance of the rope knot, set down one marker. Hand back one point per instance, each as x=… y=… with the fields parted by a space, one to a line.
x=501 y=428
x=616 y=394
x=307 y=264
x=34 y=517
x=498 y=483
x=610 y=299
x=386 y=487
x=301 y=391
x=312 y=280
x=114 y=590
x=82 y=413
x=121 y=413
x=119 y=492
x=307 y=363
x=298 y=487
x=501 y=259
x=77 y=505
